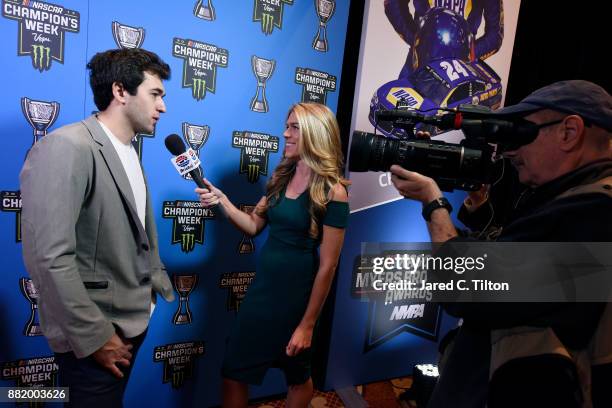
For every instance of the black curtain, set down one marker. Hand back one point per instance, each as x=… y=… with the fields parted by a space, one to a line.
x=559 y=40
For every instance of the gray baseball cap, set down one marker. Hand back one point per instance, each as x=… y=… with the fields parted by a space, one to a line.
x=583 y=98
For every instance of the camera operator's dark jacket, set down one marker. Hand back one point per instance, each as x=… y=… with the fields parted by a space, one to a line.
x=576 y=207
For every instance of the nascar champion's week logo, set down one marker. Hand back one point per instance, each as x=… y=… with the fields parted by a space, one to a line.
x=178 y=359
x=31 y=372
x=40 y=115
x=393 y=311
x=270 y=14
x=187 y=222
x=41 y=31
x=254 y=151
x=237 y=284
x=315 y=84
x=200 y=62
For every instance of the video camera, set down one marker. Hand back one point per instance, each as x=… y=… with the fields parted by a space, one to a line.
x=464 y=166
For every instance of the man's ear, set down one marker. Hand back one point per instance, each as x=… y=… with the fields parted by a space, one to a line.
x=119 y=92
x=573 y=133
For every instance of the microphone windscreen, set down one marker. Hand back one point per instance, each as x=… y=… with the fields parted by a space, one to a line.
x=175 y=144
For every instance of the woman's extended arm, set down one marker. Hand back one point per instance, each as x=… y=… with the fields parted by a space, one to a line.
x=250 y=224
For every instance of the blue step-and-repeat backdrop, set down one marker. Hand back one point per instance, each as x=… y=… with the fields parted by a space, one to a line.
x=237 y=66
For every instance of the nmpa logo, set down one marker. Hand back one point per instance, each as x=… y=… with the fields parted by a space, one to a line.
x=42 y=27
x=237 y=284
x=200 y=65
x=254 y=150
x=178 y=359
x=187 y=222
x=315 y=84
x=31 y=372
x=394 y=311
x=270 y=13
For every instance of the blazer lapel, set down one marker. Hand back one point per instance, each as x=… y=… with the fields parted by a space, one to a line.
x=117 y=171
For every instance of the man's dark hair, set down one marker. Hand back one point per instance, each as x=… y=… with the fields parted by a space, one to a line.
x=125 y=66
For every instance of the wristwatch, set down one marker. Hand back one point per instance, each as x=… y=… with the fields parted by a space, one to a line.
x=441 y=202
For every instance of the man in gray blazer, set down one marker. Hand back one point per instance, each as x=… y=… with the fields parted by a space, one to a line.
x=89 y=236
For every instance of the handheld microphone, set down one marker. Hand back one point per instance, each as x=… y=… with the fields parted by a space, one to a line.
x=186 y=160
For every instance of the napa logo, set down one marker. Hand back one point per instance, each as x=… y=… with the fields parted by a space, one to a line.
x=407 y=96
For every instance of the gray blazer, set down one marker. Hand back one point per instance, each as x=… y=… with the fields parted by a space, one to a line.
x=83 y=245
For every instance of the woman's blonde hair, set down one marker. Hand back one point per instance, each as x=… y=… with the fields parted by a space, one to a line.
x=319 y=147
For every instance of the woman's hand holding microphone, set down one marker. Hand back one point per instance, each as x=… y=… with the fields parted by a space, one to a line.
x=210 y=196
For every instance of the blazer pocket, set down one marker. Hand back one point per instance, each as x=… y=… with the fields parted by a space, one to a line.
x=101 y=293
x=96 y=285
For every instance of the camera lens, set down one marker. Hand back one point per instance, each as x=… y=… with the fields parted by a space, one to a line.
x=372 y=153
x=455 y=165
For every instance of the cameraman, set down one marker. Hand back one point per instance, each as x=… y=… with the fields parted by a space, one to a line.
x=568 y=169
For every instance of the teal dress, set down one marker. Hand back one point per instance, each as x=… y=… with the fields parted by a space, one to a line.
x=277 y=298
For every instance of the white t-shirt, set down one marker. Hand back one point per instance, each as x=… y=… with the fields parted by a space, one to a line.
x=131 y=164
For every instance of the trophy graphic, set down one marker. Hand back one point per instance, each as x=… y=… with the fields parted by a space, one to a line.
x=325 y=11
x=204 y=10
x=126 y=36
x=40 y=114
x=184 y=285
x=196 y=136
x=263 y=69
x=246 y=246
x=29 y=291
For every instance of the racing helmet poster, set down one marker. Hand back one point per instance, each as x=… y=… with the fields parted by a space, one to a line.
x=437 y=54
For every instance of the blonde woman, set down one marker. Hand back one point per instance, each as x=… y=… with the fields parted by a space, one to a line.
x=306 y=208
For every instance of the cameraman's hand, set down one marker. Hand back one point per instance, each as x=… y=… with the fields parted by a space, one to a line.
x=414 y=185
x=424 y=189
